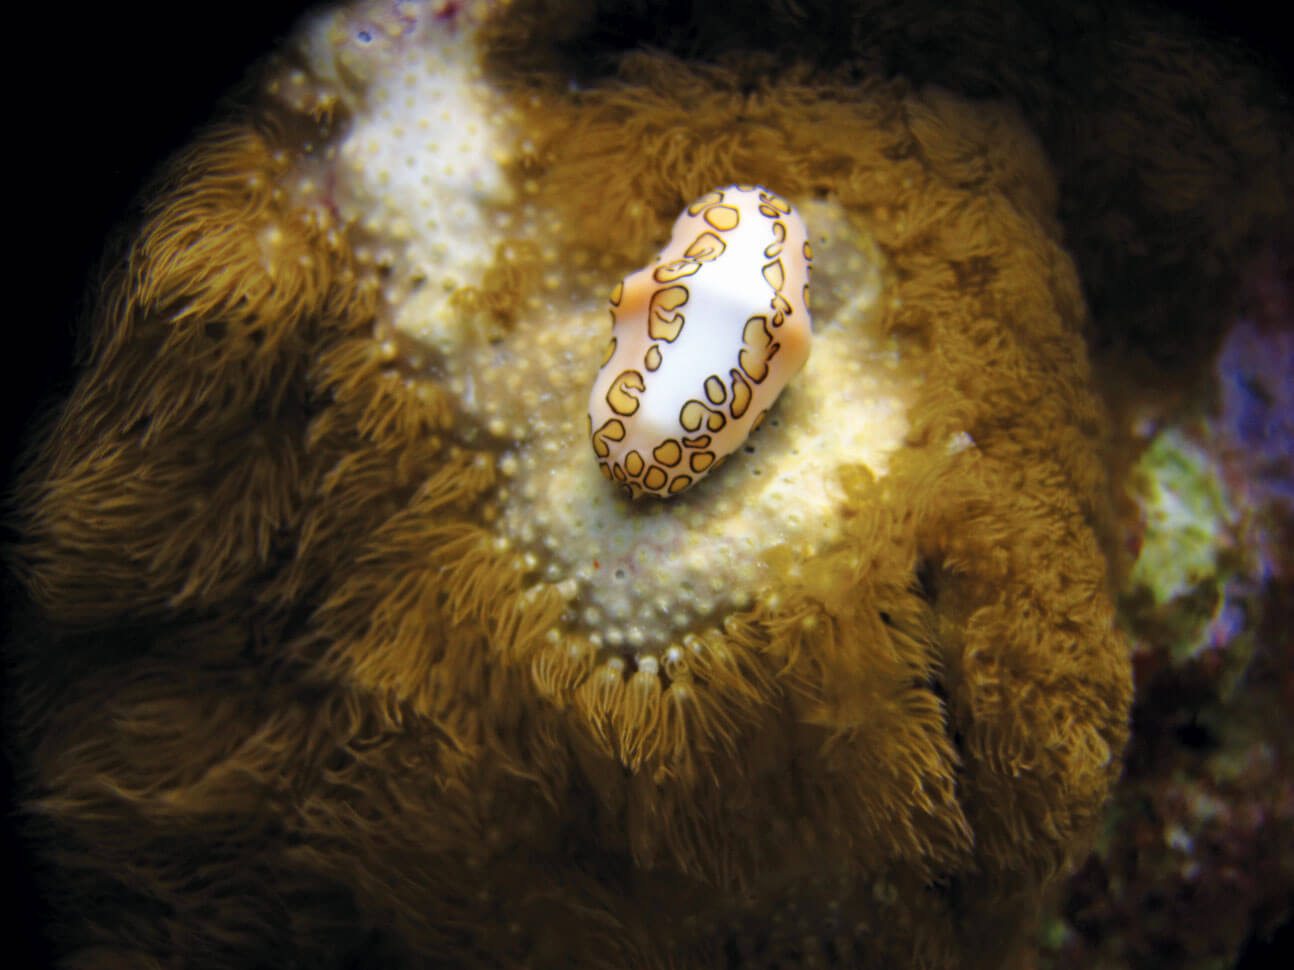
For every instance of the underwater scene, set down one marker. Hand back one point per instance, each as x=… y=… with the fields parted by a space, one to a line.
x=631 y=484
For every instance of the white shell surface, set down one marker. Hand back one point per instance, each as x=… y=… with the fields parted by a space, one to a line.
x=702 y=342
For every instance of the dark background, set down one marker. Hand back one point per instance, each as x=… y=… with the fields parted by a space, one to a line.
x=98 y=99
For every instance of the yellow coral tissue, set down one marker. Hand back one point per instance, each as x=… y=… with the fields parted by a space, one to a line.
x=400 y=606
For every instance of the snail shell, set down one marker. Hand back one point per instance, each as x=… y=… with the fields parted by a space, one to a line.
x=702 y=341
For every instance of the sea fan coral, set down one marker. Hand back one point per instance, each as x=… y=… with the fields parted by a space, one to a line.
x=343 y=644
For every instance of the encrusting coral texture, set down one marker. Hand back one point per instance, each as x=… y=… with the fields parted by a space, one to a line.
x=338 y=643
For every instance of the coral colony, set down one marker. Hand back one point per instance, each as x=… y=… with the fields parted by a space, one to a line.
x=536 y=649
x=397 y=599
x=1216 y=497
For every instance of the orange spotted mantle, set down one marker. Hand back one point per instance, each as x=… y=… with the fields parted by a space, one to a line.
x=702 y=342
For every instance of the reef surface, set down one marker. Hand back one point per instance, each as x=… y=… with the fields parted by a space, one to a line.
x=337 y=643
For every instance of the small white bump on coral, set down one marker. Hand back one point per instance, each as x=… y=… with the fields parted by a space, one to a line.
x=702 y=342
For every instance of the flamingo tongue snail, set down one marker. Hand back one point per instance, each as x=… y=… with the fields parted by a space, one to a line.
x=702 y=342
